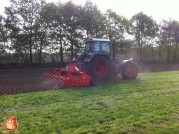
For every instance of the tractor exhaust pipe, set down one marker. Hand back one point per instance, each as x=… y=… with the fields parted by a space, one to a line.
x=113 y=43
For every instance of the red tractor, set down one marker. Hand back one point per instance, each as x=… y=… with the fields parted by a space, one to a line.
x=98 y=63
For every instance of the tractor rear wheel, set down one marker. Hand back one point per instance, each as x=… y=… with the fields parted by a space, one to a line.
x=99 y=68
x=130 y=71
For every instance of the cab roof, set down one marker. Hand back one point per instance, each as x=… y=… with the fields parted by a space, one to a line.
x=97 y=39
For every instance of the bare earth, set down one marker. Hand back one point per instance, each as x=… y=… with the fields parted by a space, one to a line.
x=14 y=81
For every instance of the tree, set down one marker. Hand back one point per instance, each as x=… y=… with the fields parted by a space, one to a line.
x=175 y=30
x=169 y=34
x=12 y=28
x=73 y=29
x=23 y=15
x=116 y=26
x=93 y=20
x=144 y=29
x=52 y=28
x=3 y=39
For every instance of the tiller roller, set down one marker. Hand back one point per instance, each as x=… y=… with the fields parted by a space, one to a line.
x=69 y=76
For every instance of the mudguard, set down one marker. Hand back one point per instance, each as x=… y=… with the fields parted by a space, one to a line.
x=128 y=60
x=91 y=56
x=87 y=57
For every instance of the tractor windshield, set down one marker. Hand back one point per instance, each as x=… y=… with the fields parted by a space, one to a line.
x=97 y=46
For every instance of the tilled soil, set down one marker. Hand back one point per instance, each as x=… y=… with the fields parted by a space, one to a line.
x=14 y=81
x=22 y=80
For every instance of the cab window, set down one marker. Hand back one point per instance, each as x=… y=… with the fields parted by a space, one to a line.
x=96 y=46
x=105 y=47
x=87 y=47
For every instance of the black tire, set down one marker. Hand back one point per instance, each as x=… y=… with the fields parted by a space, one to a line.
x=99 y=68
x=130 y=71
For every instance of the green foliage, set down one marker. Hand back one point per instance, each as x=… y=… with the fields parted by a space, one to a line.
x=144 y=29
x=93 y=20
x=169 y=32
x=148 y=104
x=72 y=26
x=116 y=26
x=34 y=26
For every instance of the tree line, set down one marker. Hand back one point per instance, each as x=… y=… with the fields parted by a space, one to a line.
x=32 y=29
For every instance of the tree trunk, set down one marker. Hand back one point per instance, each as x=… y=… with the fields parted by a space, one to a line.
x=40 y=51
x=72 y=49
x=159 y=54
x=30 y=48
x=152 y=54
x=140 y=47
x=140 y=51
x=53 y=58
x=176 y=50
x=61 y=47
x=121 y=47
x=40 y=55
x=168 y=57
x=71 y=46
x=87 y=33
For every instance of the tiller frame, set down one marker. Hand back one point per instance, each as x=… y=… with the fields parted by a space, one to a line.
x=69 y=76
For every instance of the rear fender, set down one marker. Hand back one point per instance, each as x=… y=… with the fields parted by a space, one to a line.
x=91 y=56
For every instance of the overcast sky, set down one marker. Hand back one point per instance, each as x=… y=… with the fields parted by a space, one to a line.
x=158 y=9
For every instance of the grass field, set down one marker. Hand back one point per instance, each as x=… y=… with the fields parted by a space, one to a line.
x=147 y=105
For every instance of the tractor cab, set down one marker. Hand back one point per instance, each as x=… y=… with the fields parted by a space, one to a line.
x=97 y=46
x=94 y=47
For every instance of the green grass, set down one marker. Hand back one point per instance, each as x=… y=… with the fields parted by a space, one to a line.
x=147 y=105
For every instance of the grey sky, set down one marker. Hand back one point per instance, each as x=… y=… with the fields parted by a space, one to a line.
x=158 y=9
